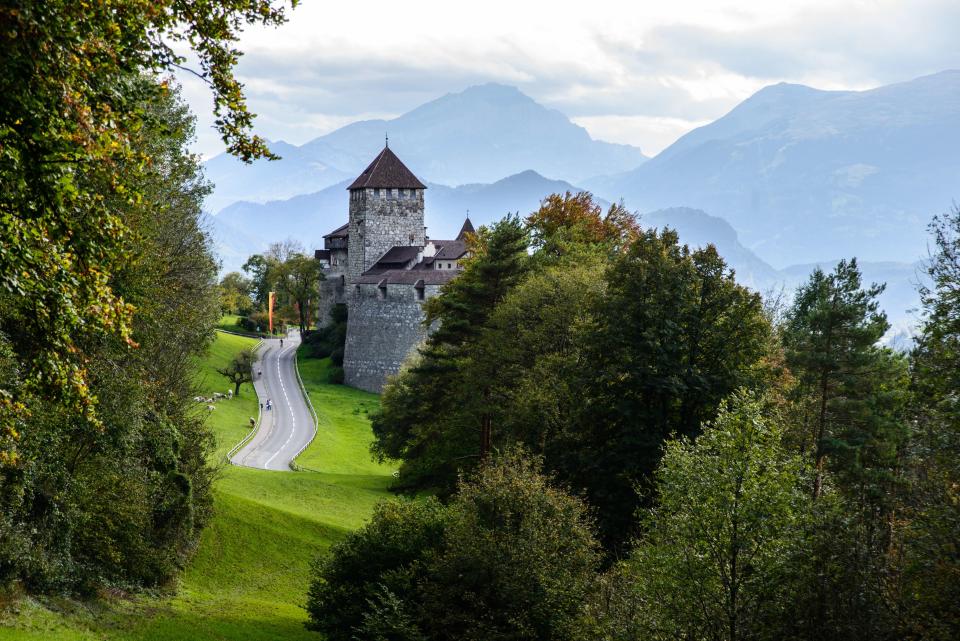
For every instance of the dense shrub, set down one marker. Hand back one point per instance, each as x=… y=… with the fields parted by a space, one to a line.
x=511 y=557
x=330 y=339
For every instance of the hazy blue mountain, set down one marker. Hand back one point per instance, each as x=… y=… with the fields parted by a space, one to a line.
x=297 y=173
x=476 y=136
x=807 y=175
x=245 y=228
x=699 y=229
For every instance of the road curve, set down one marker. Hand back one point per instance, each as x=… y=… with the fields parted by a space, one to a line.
x=288 y=426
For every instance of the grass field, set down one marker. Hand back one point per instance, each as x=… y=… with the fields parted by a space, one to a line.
x=228 y=323
x=249 y=577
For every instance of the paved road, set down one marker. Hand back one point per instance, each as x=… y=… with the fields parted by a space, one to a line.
x=289 y=425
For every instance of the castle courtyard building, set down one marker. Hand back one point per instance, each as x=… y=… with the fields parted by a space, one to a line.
x=383 y=267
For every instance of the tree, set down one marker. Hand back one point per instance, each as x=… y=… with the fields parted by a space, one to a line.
x=511 y=557
x=848 y=413
x=710 y=561
x=673 y=335
x=428 y=417
x=240 y=369
x=831 y=337
x=235 y=294
x=263 y=278
x=299 y=279
x=384 y=560
x=70 y=113
x=574 y=223
x=929 y=519
x=83 y=506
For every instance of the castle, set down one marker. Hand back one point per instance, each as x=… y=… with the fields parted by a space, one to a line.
x=382 y=266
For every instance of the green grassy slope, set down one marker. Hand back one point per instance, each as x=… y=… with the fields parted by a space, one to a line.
x=249 y=577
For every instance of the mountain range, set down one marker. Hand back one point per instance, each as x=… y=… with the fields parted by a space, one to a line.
x=807 y=175
x=790 y=178
x=245 y=227
x=479 y=135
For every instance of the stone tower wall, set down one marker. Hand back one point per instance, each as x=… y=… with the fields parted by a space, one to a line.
x=378 y=223
x=382 y=330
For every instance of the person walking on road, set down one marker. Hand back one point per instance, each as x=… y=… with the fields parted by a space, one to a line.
x=281 y=342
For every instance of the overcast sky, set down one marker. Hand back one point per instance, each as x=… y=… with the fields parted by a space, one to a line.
x=630 y=71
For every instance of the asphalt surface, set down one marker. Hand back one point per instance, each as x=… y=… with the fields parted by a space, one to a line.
x=288 y=426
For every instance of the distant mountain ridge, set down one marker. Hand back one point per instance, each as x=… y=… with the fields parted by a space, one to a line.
x=478 y=135
x=807 y=175
x=245 y=228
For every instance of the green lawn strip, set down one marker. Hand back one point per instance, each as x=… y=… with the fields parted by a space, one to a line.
x=230 y=421
x=228 y=323
x=249 y=576
x=342 y=445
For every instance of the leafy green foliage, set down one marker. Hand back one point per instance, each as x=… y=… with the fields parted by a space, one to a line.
x=299 y=278
x=235 y=294
x=71 y=120
x=607 y=340
x=929 y=527
x=711 y=561
x=330 y=340
x=672 y=337
x=432 y=417
x=511 y=557
x=850 y=391
x=122 y=500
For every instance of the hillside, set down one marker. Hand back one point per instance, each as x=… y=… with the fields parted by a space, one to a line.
x=248 y=578
x=479 y=135
x=807 y=175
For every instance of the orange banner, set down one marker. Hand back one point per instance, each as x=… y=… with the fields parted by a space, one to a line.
x=270 y=310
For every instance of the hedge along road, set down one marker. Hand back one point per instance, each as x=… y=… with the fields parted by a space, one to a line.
x=288 y=426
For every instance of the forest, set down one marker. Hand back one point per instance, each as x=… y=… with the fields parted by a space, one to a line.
x=606 y=436
x=620 y=442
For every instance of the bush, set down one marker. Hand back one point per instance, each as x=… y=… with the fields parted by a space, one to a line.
x=386 y=556
x=511 y=557
x=336 y=357
x=335 y=376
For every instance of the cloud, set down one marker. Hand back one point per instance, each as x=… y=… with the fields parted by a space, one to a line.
x=637 y=72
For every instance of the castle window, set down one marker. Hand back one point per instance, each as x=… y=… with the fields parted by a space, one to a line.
x=376 y=193
x=419 y=293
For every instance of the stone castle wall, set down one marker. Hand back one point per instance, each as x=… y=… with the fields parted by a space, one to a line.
x=332 y=292
x=379 y=222
x=383 y=328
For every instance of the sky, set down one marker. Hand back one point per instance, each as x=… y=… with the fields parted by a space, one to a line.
x=629 y=71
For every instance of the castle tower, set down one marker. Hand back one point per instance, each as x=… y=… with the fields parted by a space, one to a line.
x=386 y=210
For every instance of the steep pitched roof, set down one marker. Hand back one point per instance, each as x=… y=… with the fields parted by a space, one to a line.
x=340 y=232
x=466 y=229
x=450 y=249
x=386 y=171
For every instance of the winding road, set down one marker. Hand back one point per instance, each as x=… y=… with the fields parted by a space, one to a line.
x=288 y=426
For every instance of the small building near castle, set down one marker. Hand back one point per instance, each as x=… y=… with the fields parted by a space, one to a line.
x=382 y=266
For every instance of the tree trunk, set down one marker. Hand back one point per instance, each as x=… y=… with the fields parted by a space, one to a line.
x=237 y=384
x=484 y=438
